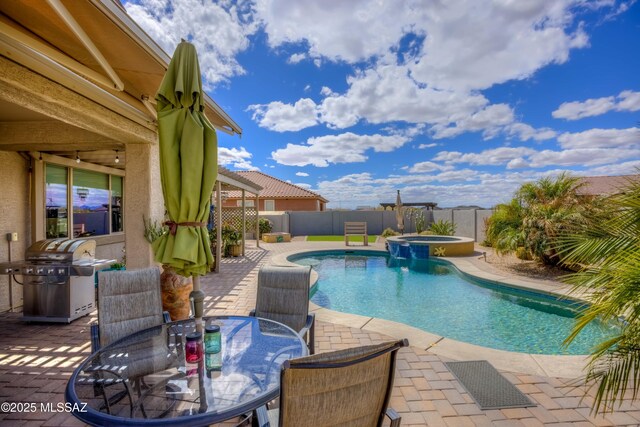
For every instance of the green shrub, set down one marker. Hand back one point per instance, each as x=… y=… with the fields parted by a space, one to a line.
x=153 y=229
x=420 y=222
x=388 y=232
x=443 y=228
x=265 y=226
x=523 y=254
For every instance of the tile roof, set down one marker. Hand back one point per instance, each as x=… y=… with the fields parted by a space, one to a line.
x=275 y=188
x=233 y=176
x=605 y=185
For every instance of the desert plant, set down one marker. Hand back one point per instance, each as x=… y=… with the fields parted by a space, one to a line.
x=420 y=221
x=443 y=228
x=607 y=248
x=230 y=237
x=504 y=228
x=152 y=229
x=389 y=232
x=539 y=213
x=264 y=226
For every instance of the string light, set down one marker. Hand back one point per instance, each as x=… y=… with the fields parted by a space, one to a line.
x=117 y=157
x=77 y=157
x=40 y=158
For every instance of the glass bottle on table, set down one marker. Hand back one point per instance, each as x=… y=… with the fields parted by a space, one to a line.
x=193 y=352
x=212 y=348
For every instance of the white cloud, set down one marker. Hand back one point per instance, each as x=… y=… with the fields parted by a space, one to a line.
x=426 y=167
x=627 y=100
x=326 y=91
x=490 y=120
x=340 y=30
x=601 y=138
x=343 y=148
x=474 y=45
x=624 y=168
x=460 y=47
x=307 y=88
x=580 y=157
x=303 y=185
x=468 y=44
x=296 y=57
x=302 y=174
x=281 y=117
x=423 y=146
x=238 y=158
x=525 y=132
x=219 y=31
x=386 y=94
x=494 y=156
x=522 y=157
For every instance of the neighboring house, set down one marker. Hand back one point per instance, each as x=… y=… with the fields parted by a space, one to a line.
x=605 y=185
x=78 y=134
x=277 y=195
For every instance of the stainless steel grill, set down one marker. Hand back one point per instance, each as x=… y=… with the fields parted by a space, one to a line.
x=58 y=279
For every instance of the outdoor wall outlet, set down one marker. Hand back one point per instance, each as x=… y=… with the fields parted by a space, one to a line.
x=12 y=237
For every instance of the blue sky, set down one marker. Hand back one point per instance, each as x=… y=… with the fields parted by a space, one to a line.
x=455 y=102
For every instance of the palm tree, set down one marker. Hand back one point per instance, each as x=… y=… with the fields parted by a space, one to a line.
x=504 y=227
x=550 y=206
x=537 y=215
x=607 y=247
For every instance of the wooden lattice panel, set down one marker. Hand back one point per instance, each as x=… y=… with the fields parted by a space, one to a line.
x=233 y=218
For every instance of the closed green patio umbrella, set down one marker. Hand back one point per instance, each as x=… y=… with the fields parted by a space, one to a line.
x=188 y=169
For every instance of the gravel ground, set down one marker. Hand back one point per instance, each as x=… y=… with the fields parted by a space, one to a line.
x=511 y=264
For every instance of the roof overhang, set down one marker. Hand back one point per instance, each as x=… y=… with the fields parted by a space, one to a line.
x=114 y=61
x=232 y=179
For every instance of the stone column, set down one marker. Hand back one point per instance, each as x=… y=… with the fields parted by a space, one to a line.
x=142 y=197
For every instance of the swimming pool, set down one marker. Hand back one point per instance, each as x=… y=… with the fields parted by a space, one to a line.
x=434 y=296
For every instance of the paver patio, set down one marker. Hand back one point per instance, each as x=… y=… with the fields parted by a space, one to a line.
x=36 y=361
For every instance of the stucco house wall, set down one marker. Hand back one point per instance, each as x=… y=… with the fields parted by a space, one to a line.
x=14 y=217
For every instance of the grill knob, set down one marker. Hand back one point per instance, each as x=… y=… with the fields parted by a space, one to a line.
x=51 y=271
x=28 y=270
x=39 y=270
x=62 y=271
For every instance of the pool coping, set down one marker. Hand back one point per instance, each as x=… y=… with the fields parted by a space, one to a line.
x=560 y=366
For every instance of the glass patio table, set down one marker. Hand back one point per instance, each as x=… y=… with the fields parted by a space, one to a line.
x=144 y=379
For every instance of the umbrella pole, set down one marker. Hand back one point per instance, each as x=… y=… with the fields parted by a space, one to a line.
x=198 y=299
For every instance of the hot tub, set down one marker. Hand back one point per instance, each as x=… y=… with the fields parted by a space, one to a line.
x=421 y=247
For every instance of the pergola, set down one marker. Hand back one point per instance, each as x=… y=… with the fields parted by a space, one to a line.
x=227 y=181
x=428 y=205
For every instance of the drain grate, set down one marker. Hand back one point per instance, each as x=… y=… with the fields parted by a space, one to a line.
x=487 y=386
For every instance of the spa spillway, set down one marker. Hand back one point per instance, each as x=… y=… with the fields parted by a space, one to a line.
x=421 y=247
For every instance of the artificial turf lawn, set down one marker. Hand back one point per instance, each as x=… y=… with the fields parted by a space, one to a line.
x=372 y=239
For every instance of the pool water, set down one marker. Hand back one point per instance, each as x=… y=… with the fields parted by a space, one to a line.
x=433 y=296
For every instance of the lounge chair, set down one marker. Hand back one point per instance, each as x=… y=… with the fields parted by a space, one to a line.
x=283 y=296
x=343 y=388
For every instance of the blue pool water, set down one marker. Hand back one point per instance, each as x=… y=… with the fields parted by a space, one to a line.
x=433 y=296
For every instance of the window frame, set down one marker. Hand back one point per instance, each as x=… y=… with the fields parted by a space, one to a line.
x=66 y=163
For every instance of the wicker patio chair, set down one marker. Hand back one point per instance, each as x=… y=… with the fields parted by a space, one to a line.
x=343 y=388
x=128 y=302
x=283 y=296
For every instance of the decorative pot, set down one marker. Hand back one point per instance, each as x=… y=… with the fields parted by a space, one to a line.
x=235 y=250
x=175 y=293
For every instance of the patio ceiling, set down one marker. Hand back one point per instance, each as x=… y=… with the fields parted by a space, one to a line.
x=121 y=62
